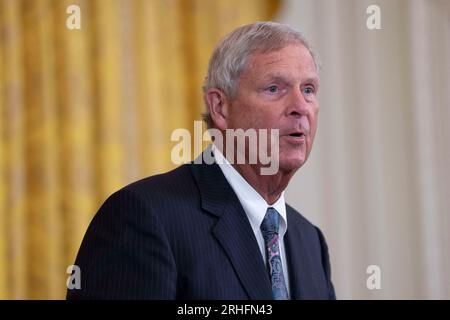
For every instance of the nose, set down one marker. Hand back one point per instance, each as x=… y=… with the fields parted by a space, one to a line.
x=297 y=104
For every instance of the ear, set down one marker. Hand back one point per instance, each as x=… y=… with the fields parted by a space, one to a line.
x=218 y=107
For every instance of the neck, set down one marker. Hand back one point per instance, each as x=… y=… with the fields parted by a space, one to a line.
x=269 y=187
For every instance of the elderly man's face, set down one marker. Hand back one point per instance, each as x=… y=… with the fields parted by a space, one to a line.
x=279 y=90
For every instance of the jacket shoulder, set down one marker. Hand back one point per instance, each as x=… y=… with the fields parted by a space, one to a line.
x=175 y=185
x=178 y=178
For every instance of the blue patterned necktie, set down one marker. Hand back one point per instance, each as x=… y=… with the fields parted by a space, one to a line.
x=269 y=229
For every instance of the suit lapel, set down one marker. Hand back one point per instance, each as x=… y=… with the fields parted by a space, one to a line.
x=302 y=284
x=233 y=230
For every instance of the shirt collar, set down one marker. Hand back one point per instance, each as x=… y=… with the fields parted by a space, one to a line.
x=255 y=206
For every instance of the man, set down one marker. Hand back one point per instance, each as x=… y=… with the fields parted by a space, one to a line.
x=222 y=230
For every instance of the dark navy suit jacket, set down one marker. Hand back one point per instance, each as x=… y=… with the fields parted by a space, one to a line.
x=185 y=235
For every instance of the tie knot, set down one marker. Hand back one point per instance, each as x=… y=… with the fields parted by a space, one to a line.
x=270 y=223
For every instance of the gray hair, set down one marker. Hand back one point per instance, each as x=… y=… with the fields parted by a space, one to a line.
x=231 y=55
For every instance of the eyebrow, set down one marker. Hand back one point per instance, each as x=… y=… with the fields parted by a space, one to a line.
x=277 y=77
x=313 y=79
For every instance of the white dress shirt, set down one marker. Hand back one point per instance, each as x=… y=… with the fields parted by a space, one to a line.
x=255 y=207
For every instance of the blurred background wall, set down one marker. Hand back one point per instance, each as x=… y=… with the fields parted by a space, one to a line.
x=84 y=112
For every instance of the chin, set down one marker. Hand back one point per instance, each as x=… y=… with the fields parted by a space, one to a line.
x=291 y=164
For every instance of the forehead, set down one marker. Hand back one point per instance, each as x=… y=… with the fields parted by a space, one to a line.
x=292 y=61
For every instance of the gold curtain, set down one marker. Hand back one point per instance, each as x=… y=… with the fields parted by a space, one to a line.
x=84 y=112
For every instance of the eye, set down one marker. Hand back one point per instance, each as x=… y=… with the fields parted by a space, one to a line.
x=273 y=89
x=309 y=90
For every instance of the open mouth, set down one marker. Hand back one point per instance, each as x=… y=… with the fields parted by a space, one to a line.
x=298 y=135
